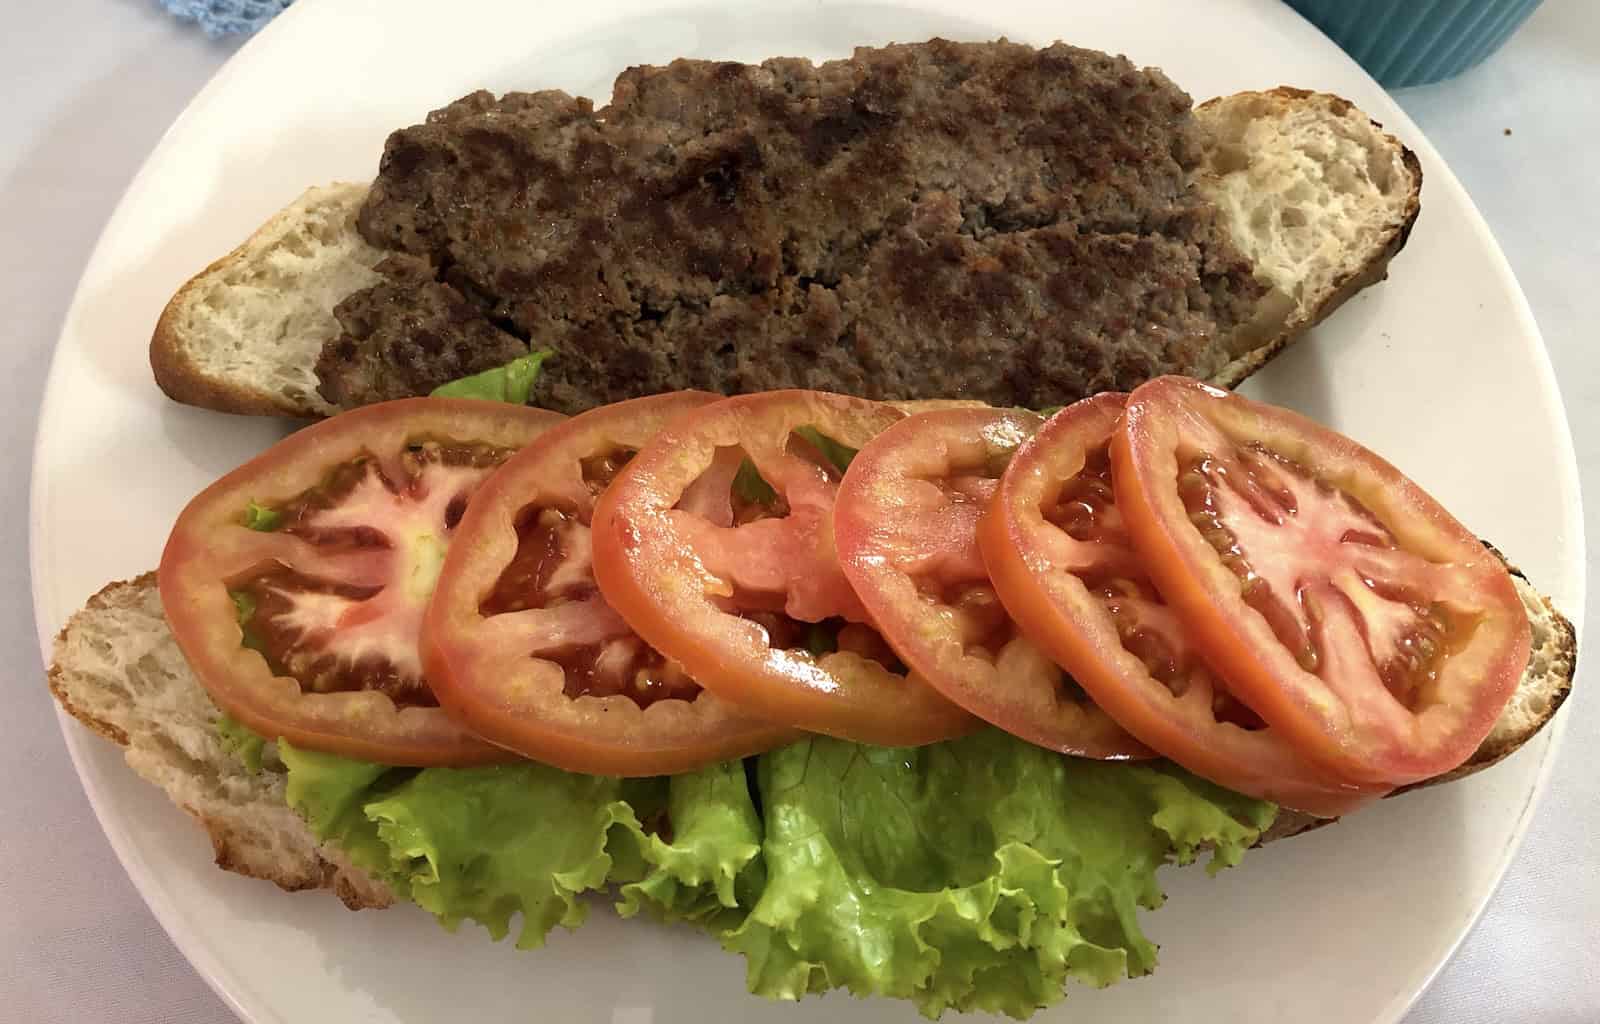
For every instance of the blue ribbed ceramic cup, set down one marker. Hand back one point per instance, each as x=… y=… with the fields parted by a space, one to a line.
x=1414 y=42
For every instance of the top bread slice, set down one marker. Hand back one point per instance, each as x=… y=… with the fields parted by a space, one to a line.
x=118 y=670
x=1315 y=194
x=244 y=334
x=1311 y=190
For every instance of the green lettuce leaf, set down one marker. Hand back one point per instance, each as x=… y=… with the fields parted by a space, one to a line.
x=238 y=740
x=244 y=605
x=489 y=844
x=974 y=874
x=712 y=857
x=836 y=452
x=512 y=382
x=330 y=793
x=751 y=487
x=978 y=874
x=494 y=842
x=485 y=844
x=262 y=517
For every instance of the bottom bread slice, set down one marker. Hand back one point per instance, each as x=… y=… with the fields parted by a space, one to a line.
x=118 y=670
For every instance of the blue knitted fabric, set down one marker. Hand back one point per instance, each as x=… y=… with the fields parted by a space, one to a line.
x=227 y=17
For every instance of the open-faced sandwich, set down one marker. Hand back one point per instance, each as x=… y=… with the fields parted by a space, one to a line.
x=825 y=527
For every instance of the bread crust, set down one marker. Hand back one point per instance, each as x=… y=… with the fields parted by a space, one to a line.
x=322 y=866
x=1376 y=267
x=182 y=381
x=172 y=351
x=55 y=676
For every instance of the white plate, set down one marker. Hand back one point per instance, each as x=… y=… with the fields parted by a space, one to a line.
x=1441 y=369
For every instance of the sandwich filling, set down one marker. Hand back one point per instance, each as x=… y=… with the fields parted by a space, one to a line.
x=986 y=221
x=976 y=874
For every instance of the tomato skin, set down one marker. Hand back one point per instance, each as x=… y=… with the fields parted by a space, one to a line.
x=1035 y=568
x=481 y=666
x=1341 y=715
x=652 y=566
x=906 y=521
x=209 y=545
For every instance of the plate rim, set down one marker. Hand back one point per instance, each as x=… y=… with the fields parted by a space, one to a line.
x=249 y=1006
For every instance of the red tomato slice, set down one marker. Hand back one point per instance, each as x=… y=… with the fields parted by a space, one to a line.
x=906 y=526
x=352 y=518
x=519 y=643
x=1339 y=600
x=722 y=575
x=1055 y=547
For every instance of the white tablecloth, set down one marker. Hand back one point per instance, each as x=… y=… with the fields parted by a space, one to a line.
x=89 y=85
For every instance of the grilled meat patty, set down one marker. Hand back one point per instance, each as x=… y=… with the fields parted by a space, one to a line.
x=939 y=220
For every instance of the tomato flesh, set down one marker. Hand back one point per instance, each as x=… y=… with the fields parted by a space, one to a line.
x=357 y=630
x=1342 y=603
x=906 y=527
x=1056 y=547
x=353 y=517
x=520 y=643
x=553 y=568
x=731 y=591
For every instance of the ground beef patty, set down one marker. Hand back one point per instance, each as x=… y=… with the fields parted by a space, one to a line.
x=939 y=220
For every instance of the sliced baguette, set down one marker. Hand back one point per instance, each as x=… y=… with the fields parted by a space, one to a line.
x=1311 y=189
x=244 y=334
x=118 y=670
x=1315 y=194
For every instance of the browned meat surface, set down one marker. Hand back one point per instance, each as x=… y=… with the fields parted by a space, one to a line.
x=943 y=220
